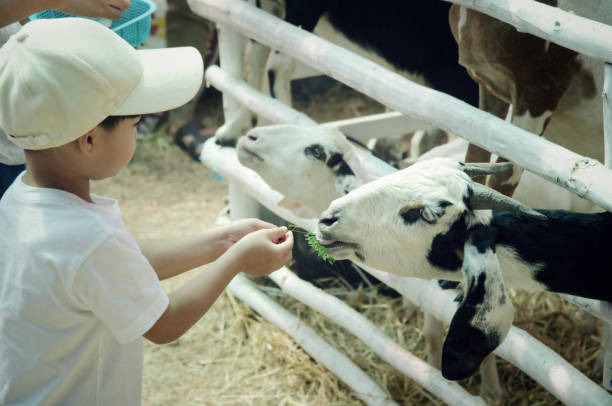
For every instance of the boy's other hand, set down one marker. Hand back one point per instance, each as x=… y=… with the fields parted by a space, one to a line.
x=263 y=251
x=111 y=9
x=239 y=228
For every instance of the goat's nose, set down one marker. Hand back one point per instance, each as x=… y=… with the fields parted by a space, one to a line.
x=252 y=137
x=328 y=221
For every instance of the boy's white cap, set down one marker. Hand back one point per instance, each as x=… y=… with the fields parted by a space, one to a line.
x=59 y=78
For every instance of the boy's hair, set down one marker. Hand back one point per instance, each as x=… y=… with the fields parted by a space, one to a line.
x=60 y=78
x=111 y=122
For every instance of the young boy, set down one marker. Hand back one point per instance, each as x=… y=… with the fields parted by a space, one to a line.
x=77 y=293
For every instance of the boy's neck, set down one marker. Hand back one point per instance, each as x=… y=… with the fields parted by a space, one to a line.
x=56 y=169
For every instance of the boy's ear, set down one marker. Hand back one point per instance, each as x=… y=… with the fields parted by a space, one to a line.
x=86 y=142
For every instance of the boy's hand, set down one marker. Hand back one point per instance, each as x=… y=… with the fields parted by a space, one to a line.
x=239 y=228
x=264 y=251
x=93 y=8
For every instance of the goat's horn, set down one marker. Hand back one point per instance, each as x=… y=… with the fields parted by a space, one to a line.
x=483 y=168
x=485 y=198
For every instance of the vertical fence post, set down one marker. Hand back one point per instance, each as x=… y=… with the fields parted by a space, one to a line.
x=607 y=118
x=607 y=113
x=231 y=58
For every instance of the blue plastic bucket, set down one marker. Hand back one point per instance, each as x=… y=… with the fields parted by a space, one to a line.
x=134 y=25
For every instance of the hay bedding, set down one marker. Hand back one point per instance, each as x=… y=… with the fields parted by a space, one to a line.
x=234 y=357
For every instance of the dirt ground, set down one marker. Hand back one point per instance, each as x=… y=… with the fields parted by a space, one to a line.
x=232 y=356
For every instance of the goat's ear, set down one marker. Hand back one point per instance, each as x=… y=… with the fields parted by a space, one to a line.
x=485 y=313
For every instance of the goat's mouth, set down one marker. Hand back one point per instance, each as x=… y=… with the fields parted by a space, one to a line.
x=335 y=246
x=247 y=154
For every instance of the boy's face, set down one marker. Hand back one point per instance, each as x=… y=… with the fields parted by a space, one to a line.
x=116 y=147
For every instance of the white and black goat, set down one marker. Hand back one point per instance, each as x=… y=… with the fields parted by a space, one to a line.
x=309 y=165
x=312 y=166
x=432 y=221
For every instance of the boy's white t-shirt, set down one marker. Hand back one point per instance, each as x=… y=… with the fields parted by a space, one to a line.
x=76 y=296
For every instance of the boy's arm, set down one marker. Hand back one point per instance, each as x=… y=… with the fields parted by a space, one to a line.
x=170 y=257
x=259 y=253
x=15 y=10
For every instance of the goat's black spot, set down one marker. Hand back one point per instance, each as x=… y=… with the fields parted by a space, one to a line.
x=476 y=291
x=258 y=3
x=335 y=159
x=466 y=346
x=253 y=121
x=316 y=151
x=443 y=204
x=468 y=197
x=345 y=170
x=481 y=238
x=571 y=250
x=444 y=247
x=448 y=284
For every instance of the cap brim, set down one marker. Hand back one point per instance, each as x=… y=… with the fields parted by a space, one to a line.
x=171 y=77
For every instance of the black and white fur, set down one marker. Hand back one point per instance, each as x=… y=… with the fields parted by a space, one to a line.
x=422 y=222
x=412 y=38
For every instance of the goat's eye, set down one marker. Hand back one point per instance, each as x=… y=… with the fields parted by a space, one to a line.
x=427 y=215
x=316 y=151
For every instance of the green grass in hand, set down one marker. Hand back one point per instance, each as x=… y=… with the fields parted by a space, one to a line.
x=316 y=246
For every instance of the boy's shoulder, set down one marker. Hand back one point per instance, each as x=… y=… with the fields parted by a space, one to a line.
x=56 y=219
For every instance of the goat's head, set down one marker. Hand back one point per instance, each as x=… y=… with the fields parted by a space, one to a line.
x=309 y=164
x=430 y=221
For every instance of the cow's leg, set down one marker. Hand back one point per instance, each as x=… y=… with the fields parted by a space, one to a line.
x=424 y=140
x=491 y=104
x=506 y=183
x=256 y=56
x=280 y=69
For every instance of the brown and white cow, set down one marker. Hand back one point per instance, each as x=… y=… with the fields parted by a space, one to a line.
x=538 y=85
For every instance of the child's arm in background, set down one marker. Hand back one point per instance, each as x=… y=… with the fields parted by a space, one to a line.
x=170 y=257
x=16 y=10
x=258 y=253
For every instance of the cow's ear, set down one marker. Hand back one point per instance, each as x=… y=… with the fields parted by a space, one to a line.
x=485 y=313
x=296 y=208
